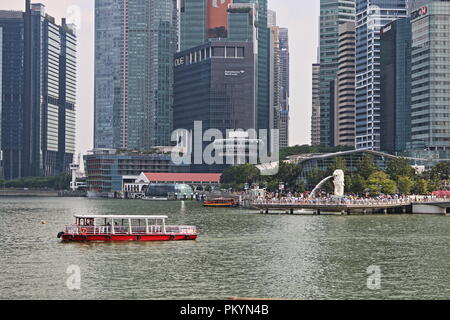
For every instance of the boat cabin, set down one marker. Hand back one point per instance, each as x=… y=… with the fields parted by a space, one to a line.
x=104 y=224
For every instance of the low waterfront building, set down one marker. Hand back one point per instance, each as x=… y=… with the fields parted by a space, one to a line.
x=169 y=191
x=107 y=168
x=195 y=180
x=314 y=162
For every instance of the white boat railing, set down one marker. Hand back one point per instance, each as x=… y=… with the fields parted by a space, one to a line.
x=107 y=230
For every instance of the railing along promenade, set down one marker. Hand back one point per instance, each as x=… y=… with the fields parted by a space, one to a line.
x=342 y=205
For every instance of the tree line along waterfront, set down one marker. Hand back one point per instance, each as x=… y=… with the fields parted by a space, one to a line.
x=399 y=177
x=61 y=182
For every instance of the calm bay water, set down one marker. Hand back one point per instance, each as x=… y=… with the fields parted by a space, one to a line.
x=238 y=253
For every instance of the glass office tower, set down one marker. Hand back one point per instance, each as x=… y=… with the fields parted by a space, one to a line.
x=285 y=86
x=332 y=14
x=430 y=93
x=39 y=93
x=134 y=45
x=203 y=20
x=372 y=15
x=395 y=86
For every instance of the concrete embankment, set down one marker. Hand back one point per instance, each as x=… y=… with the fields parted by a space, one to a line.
x=39 y=193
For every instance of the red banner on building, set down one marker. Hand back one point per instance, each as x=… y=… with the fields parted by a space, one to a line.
x=218 y=18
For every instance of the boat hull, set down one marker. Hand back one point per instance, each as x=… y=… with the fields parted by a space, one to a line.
x=219 y=205
x=118 y=238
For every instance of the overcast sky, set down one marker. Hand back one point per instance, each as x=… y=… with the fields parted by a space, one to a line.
x=300 y=16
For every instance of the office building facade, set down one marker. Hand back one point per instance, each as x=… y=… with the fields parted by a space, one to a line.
x=333 y=13
x=395 y=86
x=39 y=93
x=430 y=80
x=134 y=46
x=284 y=116
x=372 y=15
x=344 y=115
x=206 y=20
x=315 y=116
x=216 y=84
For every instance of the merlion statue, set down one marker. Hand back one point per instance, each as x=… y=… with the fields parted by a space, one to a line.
x=339 y=183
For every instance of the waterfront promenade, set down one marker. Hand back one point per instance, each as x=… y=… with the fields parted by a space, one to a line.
x=432 y=205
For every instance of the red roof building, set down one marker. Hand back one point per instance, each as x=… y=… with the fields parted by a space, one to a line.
x=180 y=178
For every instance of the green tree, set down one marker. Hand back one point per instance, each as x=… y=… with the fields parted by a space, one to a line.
x=405 y=185
x=315 y=177
x=355 y=183
x=366 y=166
x=339 y=164
x=379 y=182
x=242 y=174
x=421 y=187
x=399 y=167
x=441 y=171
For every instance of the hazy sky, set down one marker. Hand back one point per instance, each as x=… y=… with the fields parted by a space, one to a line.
x=300 y=16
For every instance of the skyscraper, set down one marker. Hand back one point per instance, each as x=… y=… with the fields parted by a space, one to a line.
x=134 y=46
x=344 y=115
x=430 y=79
x=39 y=93
x=285 y=87
x=203 y=20
x=332 y=14
x=395 y=86
x=279 y=78
x=372 y=15
x=315 y=117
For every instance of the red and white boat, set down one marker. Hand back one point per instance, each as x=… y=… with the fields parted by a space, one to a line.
x=125 y=228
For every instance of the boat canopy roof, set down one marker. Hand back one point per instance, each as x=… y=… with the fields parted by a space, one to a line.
x=119 y=217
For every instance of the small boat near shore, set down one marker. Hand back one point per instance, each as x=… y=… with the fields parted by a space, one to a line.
x=103 y=228
x=221 y=203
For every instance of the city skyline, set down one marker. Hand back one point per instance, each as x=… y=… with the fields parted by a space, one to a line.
x=303 y=26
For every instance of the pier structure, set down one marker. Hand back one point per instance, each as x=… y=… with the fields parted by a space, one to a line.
x=394 y=206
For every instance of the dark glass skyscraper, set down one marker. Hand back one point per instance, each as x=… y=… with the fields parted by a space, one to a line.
x=395 y=86
x=38 y=93
x=134 y=45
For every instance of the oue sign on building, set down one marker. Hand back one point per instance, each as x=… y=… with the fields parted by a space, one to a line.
x=180 y=61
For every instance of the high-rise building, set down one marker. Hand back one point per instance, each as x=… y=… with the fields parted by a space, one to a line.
x=372 y=15
x=38 y=93
x=284 y=116
x=193 y=23
x=1 y=99
x=274 y=71
x=395 y=86
x=430 y=79
x=215 y=83
x=315 y=117
x=206 y=20
x=344 y=115
x=333 y=13
x=135 y=42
